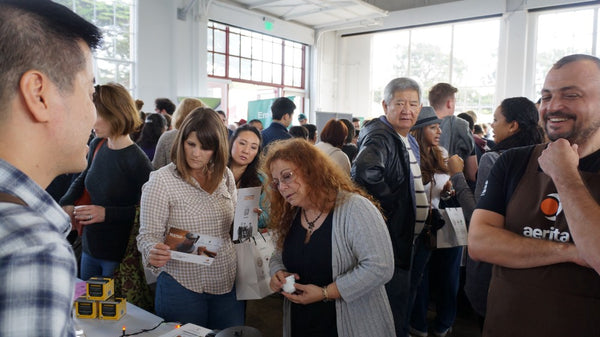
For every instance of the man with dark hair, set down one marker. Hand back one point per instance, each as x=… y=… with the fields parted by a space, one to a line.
x=46 y=114
x=282 y=110
x=387 y=167
x=312 y=132
x=256 y=123
x=537 y=218
x=456 y=135
x=223 y=117
x=164 y=106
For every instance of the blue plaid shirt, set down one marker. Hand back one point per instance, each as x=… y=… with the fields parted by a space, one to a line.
x=37 y=265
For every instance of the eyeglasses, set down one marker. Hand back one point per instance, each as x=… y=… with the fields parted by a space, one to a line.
x=287 y=178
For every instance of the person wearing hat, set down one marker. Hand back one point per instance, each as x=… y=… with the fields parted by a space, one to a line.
x=436 y=174
x=302 y=119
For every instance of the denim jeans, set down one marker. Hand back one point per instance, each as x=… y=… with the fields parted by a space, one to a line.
x=175 y=303
x=402 y=288
x=91 y=266
x=444 y=265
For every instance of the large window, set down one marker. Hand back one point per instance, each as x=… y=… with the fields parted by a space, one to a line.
x=115 y=60
x=246 y=66
x=564 y=32
x=245 y=56
x=464 y=54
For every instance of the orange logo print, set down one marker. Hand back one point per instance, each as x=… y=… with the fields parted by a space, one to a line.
x=551 y=206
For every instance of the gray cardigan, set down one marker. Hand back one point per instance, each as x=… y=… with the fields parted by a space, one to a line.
x=362 y=263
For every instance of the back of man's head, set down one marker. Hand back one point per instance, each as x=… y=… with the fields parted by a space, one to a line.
x=165 y=104
x=281 y=107
x=440 y=94
x=41 y=35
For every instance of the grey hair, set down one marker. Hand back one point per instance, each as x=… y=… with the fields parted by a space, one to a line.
x=400 y=84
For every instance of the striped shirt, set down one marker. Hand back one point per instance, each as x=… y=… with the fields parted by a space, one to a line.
x=169 y=201
x=37 y=265
x=420 y=196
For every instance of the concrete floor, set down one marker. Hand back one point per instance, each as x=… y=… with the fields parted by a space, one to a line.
x=266 y=316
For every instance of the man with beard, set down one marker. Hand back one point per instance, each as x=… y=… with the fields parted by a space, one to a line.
x=537 y=219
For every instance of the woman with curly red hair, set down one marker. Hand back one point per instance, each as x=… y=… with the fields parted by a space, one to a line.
x=332 y=238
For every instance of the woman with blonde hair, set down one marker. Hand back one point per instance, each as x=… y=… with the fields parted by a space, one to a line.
x=195 y=194
x=117 y=169
x=162 y=155
x=332 y=240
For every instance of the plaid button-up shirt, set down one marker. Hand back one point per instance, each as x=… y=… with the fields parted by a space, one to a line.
x=37 y=265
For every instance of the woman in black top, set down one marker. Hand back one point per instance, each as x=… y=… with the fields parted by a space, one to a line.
x=114 y=178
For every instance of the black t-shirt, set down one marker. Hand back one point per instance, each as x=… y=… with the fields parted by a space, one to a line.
x=312 y=262
x=508 y=171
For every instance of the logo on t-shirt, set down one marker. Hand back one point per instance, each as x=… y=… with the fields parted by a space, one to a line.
x=551 y=206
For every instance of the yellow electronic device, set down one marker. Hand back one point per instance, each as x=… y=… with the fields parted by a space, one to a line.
x=85 y=308
x=100 y=288
x=114 y=308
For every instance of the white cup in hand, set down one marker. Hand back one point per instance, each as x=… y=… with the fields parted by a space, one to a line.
x=288 y=286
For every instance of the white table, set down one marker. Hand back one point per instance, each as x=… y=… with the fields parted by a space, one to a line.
x=135 y=320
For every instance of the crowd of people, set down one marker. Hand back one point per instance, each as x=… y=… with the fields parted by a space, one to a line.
x=353 y=209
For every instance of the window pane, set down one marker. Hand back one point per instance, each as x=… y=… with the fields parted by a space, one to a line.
x=277 y=74
x=256 y=70
x=107 y=71
x=560 y=34
x=297 y=77
x=219 y=65
x=289 y=76
x=288 y=55
x=234 y=67
x=209 y=64
x=246 y=46
x=257 y=48
x=124 y=75
x=104 y=15
x=390 y=64
x=219 y=41
x=123 y=16
x=277 y=52
x=246 y=67
x=429 y=61
x=234 y=44
x=298 y=57
x=268 y=51
x=123 y=47
x=209 y=39
x=267 y=74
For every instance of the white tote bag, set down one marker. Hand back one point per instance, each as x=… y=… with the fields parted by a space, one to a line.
x=252 y=278
x=454 y=232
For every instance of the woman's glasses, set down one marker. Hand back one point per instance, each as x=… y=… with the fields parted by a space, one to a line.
x=287 y=178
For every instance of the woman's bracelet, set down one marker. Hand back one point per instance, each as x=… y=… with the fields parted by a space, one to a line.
x=325 y=295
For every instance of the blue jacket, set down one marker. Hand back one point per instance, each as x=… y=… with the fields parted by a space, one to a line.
x=382 y=167
x=275 y=131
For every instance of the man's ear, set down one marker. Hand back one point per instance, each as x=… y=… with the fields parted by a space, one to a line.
x=34 y=87
x=384 y=106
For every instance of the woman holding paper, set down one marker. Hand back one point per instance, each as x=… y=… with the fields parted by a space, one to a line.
x=196 y=194
x=334 y=243
x=245 y=146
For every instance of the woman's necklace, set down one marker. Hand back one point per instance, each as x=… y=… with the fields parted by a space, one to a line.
x=311 y=225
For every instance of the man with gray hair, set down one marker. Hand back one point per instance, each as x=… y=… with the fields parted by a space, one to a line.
x=387 y=166
x=537 y=218
x=46 y=114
